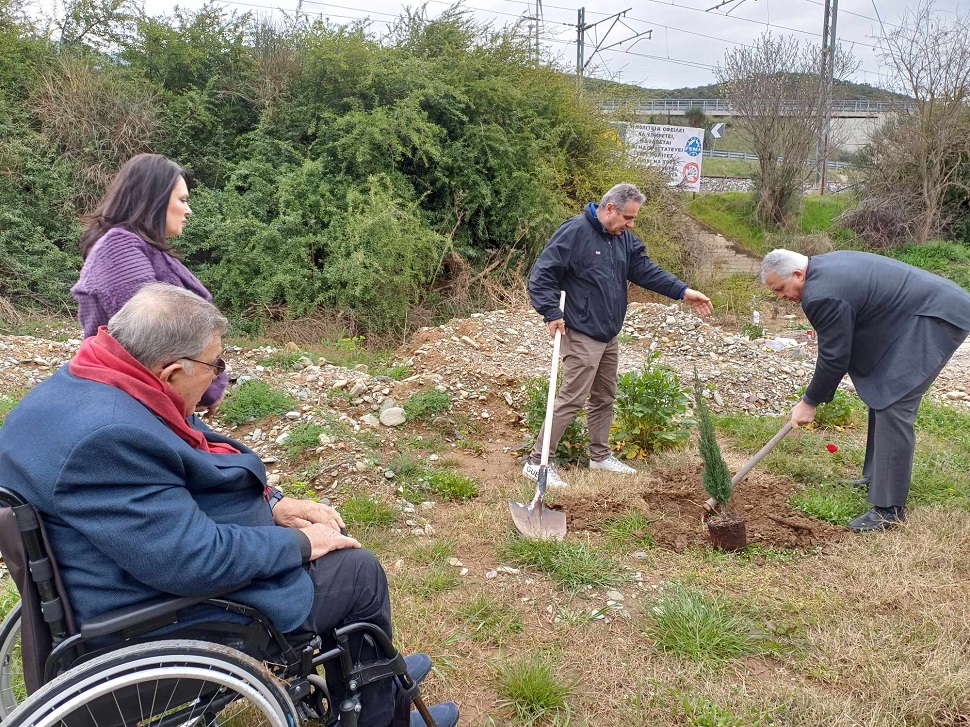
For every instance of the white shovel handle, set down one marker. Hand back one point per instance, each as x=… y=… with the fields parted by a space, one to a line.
x=551 y=397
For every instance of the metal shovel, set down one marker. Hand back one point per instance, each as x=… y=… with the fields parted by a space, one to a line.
x=535 y=520
x=711 y=504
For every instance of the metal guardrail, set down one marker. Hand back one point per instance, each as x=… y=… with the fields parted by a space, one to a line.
x=749 y=157
x=708 y=105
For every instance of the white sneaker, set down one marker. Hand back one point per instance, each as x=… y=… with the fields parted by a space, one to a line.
x=612 y=464
x=531 y=471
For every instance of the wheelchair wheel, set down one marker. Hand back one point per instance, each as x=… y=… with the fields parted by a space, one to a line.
x=12 y=688
x=176 y=683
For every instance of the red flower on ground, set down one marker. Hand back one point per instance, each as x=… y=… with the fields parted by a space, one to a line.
x=832 y=448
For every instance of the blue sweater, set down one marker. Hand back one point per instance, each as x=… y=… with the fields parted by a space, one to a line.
x=133 y=512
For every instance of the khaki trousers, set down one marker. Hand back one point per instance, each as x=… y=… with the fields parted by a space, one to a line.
x=589 y=370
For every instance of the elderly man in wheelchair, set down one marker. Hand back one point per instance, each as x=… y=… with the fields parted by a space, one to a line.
x=162 y=581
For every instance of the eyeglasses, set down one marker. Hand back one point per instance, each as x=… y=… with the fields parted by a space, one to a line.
x=219 y=365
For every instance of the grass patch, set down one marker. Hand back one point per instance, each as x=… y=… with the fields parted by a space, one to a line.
x=532 y=692
x=282 y=359
x=363 y=510
x=724 y=167
x=8 y=402
x=255 y=400
x=570 y=564
x=832 y=503
x=304 y=436
x=490 y=621
x=426 y=404
x=630 y=530
x=732 y=214
x=419 y=480
x=947 y=259
x=706 y=629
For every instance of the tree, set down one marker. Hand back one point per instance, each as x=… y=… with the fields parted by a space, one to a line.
x=779 y=95
x=918 y=185
x=716 y=477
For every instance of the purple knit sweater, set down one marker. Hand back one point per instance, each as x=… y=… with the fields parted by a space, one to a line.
x=116 y=267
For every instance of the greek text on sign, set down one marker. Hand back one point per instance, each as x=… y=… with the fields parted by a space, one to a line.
x=675 y=149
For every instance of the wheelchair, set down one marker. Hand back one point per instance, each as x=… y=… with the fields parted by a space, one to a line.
x=113 y=672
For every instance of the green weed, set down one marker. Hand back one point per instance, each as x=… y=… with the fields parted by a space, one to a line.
x=282 y=359
x=707 y=629
x=649 y=411
x=751 y=331
x=8 y=402
x=490 y=620
x=531 y=690
x=418 y=479
x=829 y=502
x=423 y=405
x=845 y=410
x=363 y=510
x=304 y=436
x=570 y=564
x=254 y=400
x=630 y=530
x=699 y=711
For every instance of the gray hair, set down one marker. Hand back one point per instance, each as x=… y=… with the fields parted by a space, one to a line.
x=622 y=194
x=782 y=263
x=163 y=323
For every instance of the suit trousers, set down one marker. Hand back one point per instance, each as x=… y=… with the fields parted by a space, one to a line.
x=589 y=369
x=350 y=585
x=891 y=443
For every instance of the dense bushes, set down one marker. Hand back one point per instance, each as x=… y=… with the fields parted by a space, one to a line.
x=332 y=168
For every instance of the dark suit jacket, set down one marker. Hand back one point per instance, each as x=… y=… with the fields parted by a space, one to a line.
x=133 y=512
x=888 y=324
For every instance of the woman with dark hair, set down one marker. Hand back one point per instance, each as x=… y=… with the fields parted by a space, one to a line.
x=125 y=245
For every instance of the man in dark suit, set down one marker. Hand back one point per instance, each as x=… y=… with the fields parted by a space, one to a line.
x=890 y=326
x=140 y=498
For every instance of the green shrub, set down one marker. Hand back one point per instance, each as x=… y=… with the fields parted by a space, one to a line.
x=572 y=444
x=425 y=404
x=254 y=400
x=845 y=410
x=649 y=411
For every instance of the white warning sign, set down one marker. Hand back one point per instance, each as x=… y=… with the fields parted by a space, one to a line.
x=675 y=149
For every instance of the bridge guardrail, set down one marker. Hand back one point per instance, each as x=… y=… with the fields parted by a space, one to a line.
x=708 y=105
x=749 y=157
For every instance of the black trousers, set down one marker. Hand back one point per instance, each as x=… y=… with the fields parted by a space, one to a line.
x=349 y=586
x=891 y=441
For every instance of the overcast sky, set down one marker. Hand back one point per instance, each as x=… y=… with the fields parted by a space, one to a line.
x=685 y=44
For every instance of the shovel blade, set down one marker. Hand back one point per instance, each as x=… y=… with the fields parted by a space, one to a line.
x=539 y=523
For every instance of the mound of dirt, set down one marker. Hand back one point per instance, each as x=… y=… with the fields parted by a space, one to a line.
x=672 y=500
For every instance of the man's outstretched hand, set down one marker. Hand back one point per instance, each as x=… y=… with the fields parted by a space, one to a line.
x=698 y=301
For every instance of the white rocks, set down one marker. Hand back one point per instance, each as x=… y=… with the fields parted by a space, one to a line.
x=393 y=417
x=370 y=420
x=292 y=415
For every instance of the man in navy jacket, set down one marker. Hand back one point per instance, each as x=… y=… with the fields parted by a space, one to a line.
x=892 y=327
x=591 y=257
x=141 y=499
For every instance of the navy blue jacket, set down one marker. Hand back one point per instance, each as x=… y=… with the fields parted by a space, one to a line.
x=134 y=512
x=593 y=267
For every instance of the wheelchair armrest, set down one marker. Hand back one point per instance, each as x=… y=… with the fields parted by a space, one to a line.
x=143 y=614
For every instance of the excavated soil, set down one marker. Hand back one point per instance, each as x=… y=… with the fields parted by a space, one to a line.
x=672 y=500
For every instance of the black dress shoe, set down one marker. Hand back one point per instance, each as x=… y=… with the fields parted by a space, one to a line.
x=878 y=518
x=857 y=482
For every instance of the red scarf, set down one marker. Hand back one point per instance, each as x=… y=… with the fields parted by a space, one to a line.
x=101 y=358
